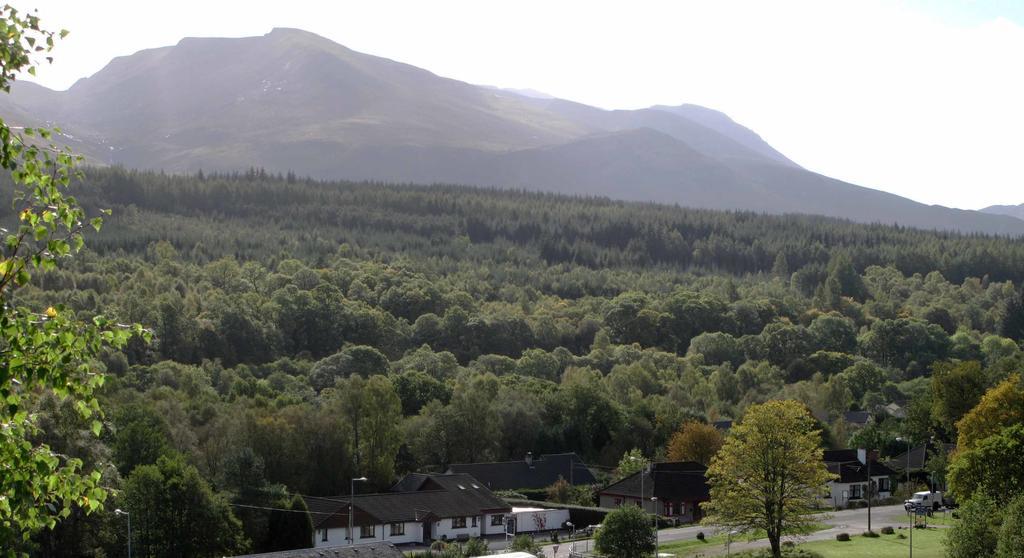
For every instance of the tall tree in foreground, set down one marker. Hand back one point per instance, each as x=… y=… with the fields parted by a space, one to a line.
x=769 y=473
x=43 y=351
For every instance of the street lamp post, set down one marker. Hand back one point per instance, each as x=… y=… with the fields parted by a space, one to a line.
x=654 y=500
x=572 y=538
x=351 y=508
x=119 y=511
x=912 y=510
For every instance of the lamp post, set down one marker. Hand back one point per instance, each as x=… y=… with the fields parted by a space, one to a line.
x=351 y=509
x=572 y=538
x=119 y=511
x=654 y=500
x=912 y=510
x=642 y=473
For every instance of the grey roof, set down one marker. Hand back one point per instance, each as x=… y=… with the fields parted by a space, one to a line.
x=370 y=550
x=542 y=472
x=449 y=495
x=672 y=481
x=858 y=472
x=840 y=456
x=918 y=456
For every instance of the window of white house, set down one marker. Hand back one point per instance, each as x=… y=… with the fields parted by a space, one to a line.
x=474 y=521
x=324 y=536
x=883 y=485
x=458 y=523
x=855 y=490
x=397 y=529
x=367 y=531
x=497 y=520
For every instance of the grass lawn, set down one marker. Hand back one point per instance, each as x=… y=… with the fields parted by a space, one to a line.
x=927 y=544
x=692 y=547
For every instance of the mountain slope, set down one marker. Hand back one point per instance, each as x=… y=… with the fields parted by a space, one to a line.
x=294 y=101
x=1011 y=210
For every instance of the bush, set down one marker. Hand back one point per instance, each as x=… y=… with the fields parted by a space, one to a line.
x=871 y=534
x=887 y=530
x=700 y=536
x=1011 y=534
x=625 y=533
x=525 y=543
x=843 y=537
x=475 y=547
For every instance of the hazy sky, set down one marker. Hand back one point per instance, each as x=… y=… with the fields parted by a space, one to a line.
x=921 y=98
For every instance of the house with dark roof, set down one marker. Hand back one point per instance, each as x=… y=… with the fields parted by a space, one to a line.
x=419 y=508
x=370 y=550
x=858 y=418
x=529 y=473
x=679 y=487
x=916 y=460
x=856 y=470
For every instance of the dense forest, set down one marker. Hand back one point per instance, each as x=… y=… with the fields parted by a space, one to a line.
x=307 y=332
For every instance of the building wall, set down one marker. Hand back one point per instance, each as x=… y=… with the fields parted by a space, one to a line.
x=443 y=528
x=382 y=533
x=613 y=501
x=546 y=520
x=840 y=492
x=489 y=529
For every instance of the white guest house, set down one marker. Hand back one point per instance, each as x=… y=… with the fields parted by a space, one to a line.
x=419 y=509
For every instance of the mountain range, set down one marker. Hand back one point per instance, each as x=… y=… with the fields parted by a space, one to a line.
x=291 y=100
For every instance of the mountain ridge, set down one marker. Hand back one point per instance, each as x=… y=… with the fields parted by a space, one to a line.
x=291 y=100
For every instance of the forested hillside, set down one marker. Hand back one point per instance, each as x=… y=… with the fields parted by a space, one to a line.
x=445 y=324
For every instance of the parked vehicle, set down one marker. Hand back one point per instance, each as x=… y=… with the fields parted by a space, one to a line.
x=930 y=500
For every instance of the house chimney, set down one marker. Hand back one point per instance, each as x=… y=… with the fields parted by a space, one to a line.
x=529 y=458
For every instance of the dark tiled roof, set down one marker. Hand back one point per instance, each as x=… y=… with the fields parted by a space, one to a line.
x=674 y=482
x=371 y=550
x=840 y=456
x=541 y=473
x=722 y=425
x=918 y=456
x=858 y=472
x=451 y=495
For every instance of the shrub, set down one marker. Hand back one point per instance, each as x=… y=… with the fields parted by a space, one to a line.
x=843 y=537
x=475 y=547
x=1011 y=534
x=887 y=530
x=700 y=536
x=525 y=543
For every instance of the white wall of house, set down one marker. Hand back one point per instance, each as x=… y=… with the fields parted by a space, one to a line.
x=841 y=493
x=489 y=528
x=336 y=536
x=444 y=528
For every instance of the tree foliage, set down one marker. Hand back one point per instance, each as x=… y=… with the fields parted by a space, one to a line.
x=627 y=532
x=695 y=441
x=45 y=350
x=769 y=473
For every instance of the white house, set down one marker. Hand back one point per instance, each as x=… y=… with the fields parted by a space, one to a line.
x=852 y=466
x=419 y=509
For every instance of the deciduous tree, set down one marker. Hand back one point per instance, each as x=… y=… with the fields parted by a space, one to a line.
x=694 y=441
x=769 y=473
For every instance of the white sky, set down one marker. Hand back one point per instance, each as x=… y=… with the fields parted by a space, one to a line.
x=921 y=98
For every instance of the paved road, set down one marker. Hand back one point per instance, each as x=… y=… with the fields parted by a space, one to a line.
x=850 y=521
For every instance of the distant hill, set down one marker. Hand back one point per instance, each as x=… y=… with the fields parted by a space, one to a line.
x=294 y=101
x=1011 y=210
